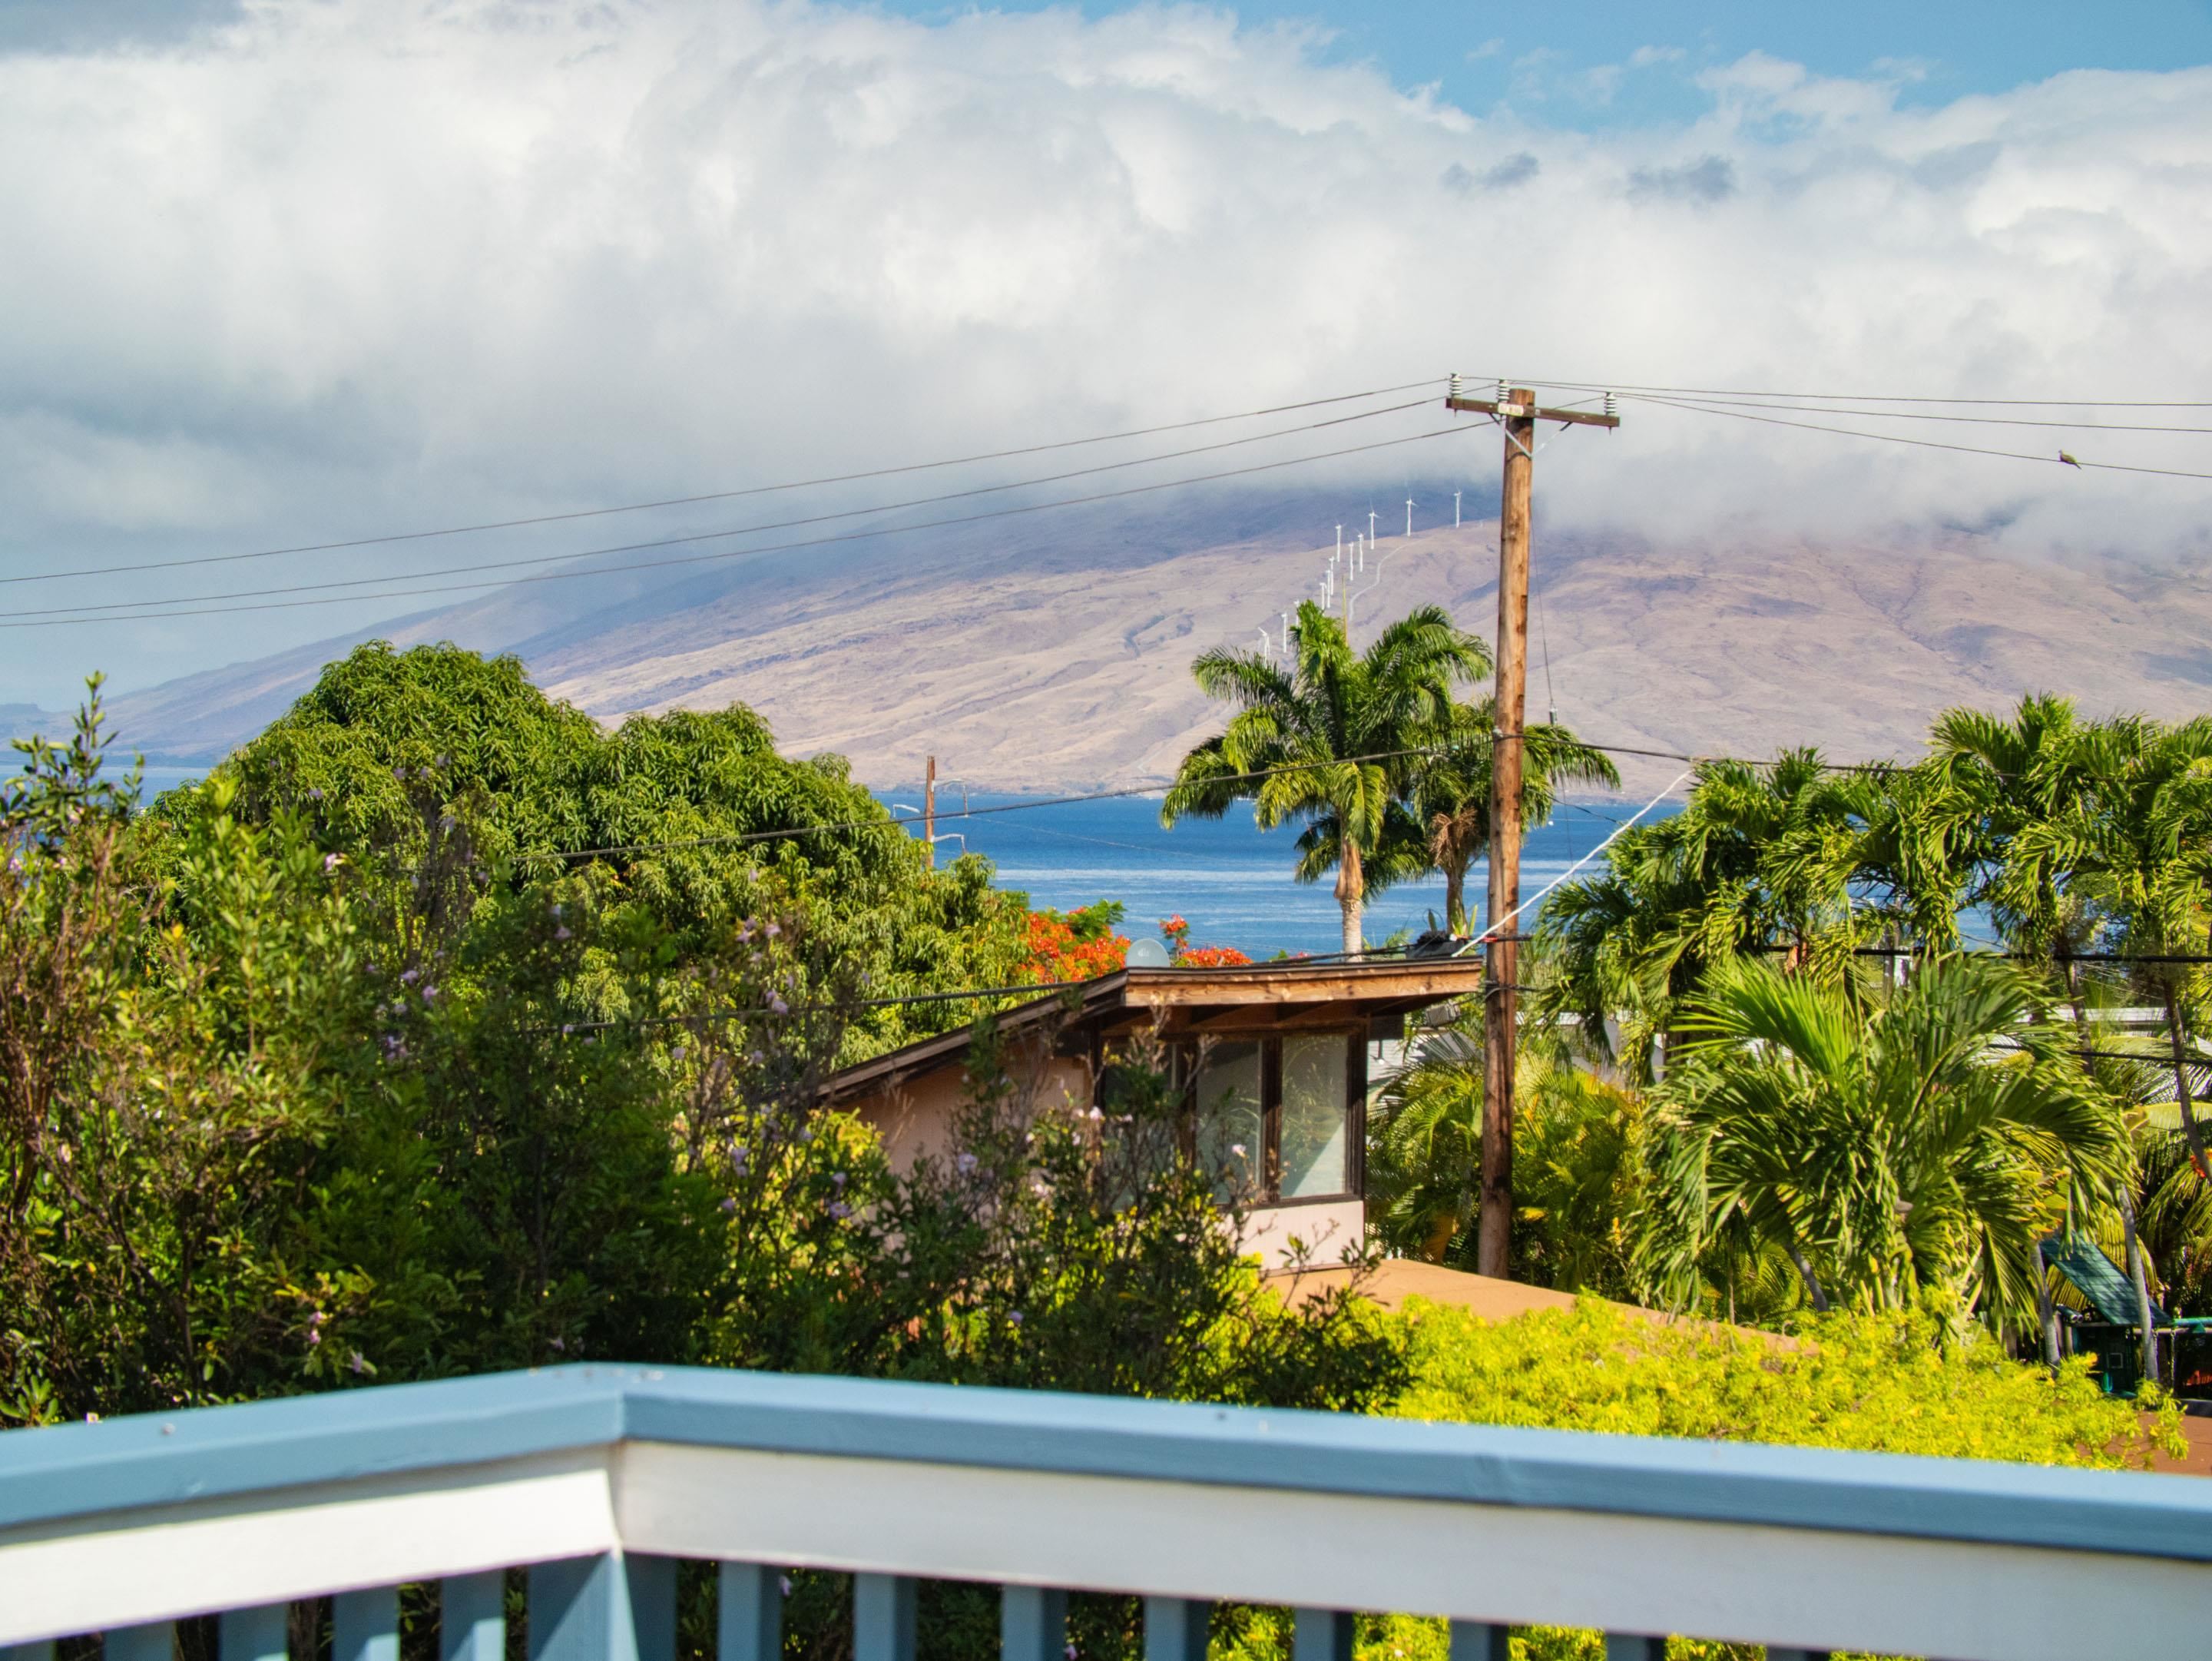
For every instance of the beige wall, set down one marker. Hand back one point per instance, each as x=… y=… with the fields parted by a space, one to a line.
x=916 y=1117
x=1330 y=1228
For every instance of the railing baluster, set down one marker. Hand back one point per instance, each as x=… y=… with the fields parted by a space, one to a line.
x=750 y=1624
x=611 y=1607
x=1032 y=1623
x=1480 y=1640
x=1175 y=1628
x=254 y=1634
x=472 y=1617
x=1634 y=1646
x=883 y=1617
x=365 y=1625
x=1322 y=1635
x=155 y=1641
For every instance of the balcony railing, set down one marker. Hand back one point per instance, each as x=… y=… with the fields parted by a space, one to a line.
x=600 y=1479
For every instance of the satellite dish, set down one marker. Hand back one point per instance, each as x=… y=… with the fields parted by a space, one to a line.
x=1149 y=954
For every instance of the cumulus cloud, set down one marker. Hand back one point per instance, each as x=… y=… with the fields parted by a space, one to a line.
x=341 y=263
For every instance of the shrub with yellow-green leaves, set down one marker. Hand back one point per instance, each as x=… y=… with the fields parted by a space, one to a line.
x=1884 y=1384
x=1877 y=1383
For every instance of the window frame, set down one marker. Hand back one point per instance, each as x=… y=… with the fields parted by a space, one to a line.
x=1183 y=1052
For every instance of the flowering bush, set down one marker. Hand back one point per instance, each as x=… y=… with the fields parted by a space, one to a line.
x=1176 y=932
x=1074 y=945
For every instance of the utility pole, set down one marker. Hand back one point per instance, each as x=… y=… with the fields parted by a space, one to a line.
x=1516 y=411
x=929 y=811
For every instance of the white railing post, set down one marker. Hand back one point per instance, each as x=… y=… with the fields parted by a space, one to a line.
x=155 y=1641
x=1032 y=1624
x=1320 y=1635
x=472 y=1617
x=1175 y=1628
x=260 y=1633
x=883 y=1617
x=1480 y=1640
x=750 y=1620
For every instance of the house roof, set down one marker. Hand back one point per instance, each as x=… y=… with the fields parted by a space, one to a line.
x=1225 y=1002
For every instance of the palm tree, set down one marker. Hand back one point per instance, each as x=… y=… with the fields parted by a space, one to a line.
x=2137 y=841
x=1333 y=741
x=1890 y=1152
x=1451 y=797
x=1790 y=856
x=1578 y=1145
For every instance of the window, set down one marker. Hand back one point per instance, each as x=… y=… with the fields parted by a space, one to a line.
x=1315 y=1155
x=1278 y=1119
x=1229 y=1096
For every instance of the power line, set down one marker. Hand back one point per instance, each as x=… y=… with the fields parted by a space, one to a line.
x=734 y=531
x=1969 y=420
x=717 y=495
x=895 y=820
x=1884 y=398
x=739 y=553
x=1922 y=443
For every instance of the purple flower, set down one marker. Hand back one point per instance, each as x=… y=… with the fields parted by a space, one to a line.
x=1013 y=1317
x=560 y=1343
x=777 y=1006
x=729 y=1208
x=783 y=1585
x=330 y=863
x=357 y=1361
x=562 y=932
x=839 y=1210
x=408 y=976
x=313 y=1338
x=837 y=1181
x=315 y=794
x=966 y=1162
x=772 y=931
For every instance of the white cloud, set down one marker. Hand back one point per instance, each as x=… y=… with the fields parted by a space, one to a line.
x=354 y=262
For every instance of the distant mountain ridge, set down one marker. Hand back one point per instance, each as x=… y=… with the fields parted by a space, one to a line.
x=1043 y=659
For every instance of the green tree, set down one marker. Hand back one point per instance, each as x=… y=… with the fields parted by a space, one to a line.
x=1893 y=1153
x=1577 y=1159
x=1787 y=857
x=1451 y=794
x=1334 y=741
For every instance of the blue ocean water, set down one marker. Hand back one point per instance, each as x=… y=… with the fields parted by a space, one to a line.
x=1229 y=879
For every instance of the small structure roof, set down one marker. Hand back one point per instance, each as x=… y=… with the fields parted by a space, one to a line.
x=1224 y=1002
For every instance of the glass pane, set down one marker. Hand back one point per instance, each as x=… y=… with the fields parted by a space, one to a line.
x=1231 y=1128
x=1315 y=1116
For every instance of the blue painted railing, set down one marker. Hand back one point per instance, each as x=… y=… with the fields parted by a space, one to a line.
x=600 y=1480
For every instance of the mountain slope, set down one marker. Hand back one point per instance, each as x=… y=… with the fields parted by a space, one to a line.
x=1046 y=660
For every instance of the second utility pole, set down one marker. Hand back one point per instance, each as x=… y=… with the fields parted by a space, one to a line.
x=1517 y=413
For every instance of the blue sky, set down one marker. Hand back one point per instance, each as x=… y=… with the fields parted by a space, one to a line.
x=1483 y=53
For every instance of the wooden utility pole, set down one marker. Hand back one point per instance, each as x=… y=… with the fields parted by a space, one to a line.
x=1516 y=411
x=929 y=811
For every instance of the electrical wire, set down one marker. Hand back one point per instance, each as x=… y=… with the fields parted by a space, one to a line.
x=711 y=536
x=1921 y=443
x=1024 y=806
x=718 y=496
x=739 y=553
x=1920 y=415
x=1871 y=397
